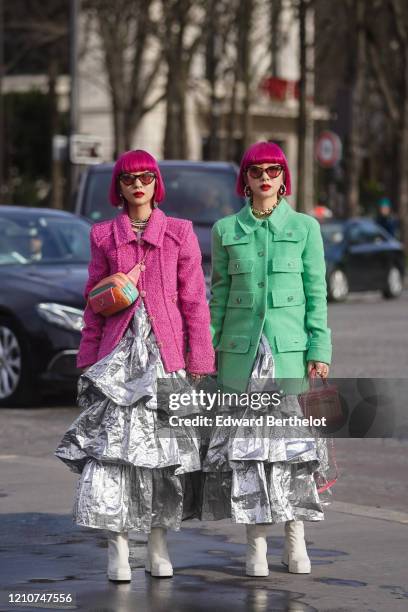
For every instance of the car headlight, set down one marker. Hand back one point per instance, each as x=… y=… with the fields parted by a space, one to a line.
x=63 y=316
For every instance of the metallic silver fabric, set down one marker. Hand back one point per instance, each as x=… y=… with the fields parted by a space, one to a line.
x=258 y=474
x=134 y=470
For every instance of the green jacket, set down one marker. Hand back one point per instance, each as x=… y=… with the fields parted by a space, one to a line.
x=268 y=276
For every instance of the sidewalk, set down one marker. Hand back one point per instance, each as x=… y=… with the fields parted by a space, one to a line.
x=359 y=559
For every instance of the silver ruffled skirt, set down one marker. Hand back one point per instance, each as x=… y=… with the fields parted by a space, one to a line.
x=265 y=474
x=135 y=473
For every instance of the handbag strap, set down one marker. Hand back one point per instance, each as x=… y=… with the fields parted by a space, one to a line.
x=138 y=267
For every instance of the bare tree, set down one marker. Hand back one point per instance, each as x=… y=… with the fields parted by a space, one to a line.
x=243 y=76
x=357 y=78
x=303 y=11
x=388 y=49
x=181 y=36
x=275 y=11
x=37 y=41
x=303 y=7
x=244 y=62
x=342 y=69
x=219 y=25
x=132 y=58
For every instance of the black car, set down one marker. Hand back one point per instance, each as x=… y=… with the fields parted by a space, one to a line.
x=202 y=192
x=361 y=256
x=44 y=256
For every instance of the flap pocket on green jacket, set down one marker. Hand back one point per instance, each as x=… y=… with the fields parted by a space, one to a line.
x=239 y=266
x=287 y=264
x=230 y=239
x=240 y=299
x=230 y=343
x=286 y=343
x=289 y=235
x=287 y=297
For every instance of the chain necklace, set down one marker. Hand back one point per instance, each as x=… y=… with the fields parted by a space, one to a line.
x=264 y=213
x=139 y=224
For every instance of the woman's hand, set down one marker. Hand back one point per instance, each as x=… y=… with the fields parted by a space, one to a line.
x=320 y=368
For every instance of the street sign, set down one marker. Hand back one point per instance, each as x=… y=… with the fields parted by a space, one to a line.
x=328 y=149
x=85 y=149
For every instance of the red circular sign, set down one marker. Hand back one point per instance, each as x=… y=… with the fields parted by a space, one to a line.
x=328 y=149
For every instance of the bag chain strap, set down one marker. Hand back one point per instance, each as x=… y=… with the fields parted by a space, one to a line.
x=141 y=263
x=145 y=255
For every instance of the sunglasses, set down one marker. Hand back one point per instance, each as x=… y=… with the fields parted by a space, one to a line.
x=145 y=178
x=272 y=171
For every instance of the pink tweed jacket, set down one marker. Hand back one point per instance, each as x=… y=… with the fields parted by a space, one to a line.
x=172 y=288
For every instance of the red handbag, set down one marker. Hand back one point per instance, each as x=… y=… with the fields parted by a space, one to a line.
x=321 y=402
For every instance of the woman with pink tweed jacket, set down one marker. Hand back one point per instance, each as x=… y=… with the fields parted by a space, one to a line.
x=133 y=472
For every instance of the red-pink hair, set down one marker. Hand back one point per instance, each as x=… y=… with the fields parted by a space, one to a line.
x=262 y=153
x=135 y=161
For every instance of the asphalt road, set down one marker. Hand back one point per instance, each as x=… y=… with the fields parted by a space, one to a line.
x=358 y=553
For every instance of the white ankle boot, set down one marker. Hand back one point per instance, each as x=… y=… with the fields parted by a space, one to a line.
x=157 y=560
x=118 y=556
x=256 y=561
x=294 y=553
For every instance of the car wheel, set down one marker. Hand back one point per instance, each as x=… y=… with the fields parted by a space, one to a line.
x=338 y=287
x=15 y=382
x=394 y=285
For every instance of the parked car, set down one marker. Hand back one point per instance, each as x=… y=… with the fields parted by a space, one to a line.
x=44 y=256
x=361 y=256
x=200 y=191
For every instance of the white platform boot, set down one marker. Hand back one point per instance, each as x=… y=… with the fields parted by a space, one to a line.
x=157 y=560
x=256 y=560
x=295 y=555
x=118 y=556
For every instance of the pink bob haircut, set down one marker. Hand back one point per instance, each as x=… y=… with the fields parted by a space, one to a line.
x=262 y=153
x=135 y=161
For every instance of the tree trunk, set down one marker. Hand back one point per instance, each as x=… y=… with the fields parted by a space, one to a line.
x=178 y=59
x=56 y=171
x=245 y=12
x=211 y=65
x=403 y=161
x=125 y=38
x=302 y=118
x=175 y=137
x=357 y=69
x=230 y=143
x=275 y=9
x=118 y=127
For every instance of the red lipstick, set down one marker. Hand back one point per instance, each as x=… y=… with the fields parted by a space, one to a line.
x=265 y=187
x=138 y=194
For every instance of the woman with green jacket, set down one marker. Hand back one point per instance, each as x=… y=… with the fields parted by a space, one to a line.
x=269 y=320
